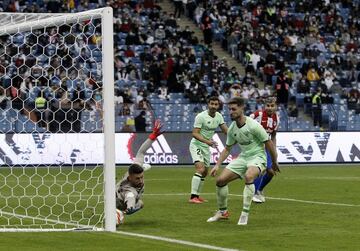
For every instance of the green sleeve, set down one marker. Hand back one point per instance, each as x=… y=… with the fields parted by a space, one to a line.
x=229 y=138
x=198 y=121
x=221 y=119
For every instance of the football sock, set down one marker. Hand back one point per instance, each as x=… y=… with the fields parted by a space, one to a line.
x=201 y=184
x=265 y=180
x=195 y=185
x=249 y=191
x=222 y=194
x=257 y=182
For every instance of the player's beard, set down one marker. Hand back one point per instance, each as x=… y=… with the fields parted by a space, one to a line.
x=212 y=110
x=234 y=118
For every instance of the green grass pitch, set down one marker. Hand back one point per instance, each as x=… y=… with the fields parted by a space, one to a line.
x=307 y=208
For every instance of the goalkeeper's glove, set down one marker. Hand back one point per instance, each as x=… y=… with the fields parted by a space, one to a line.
x=156 y=130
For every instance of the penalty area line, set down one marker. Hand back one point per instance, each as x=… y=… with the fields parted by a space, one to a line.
x=176 y=241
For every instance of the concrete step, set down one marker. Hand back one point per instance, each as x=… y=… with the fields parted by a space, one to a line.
x=168 y=6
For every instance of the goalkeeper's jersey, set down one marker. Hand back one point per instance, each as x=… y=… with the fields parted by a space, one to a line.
x=124 y=186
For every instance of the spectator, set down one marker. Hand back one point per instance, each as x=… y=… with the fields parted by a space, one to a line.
x=312 y=75
x=282 y=90
x=303 y=86
x=119 y=100
x=125 y=110
x=41 y=110
x=178 y=8
x=3 y=98
x=163 y=92
x=292 y=108
x=206 y=27
x=140 y=122
x=317 y=108
x=329 y=77
x=353 y=98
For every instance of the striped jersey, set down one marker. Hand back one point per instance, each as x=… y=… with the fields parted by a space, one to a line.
x=269 y=123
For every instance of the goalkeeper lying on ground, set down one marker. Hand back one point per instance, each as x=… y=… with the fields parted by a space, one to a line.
x=131 y=187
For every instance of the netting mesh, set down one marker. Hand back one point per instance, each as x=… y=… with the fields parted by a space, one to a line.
x=51 y=173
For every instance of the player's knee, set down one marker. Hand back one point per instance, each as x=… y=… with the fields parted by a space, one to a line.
x=201 y=169
x=251 y=174
x=248 y=179
x=221 y=182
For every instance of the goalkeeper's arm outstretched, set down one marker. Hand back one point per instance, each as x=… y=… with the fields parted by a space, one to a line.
x=130 y=189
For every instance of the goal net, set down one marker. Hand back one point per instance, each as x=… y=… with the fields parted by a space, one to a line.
x=57 y=160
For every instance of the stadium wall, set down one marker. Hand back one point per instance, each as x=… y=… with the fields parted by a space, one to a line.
x=171 y=148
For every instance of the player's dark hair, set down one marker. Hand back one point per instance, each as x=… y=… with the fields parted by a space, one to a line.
x=213 y=98
x=135 y=169
x=237 y=101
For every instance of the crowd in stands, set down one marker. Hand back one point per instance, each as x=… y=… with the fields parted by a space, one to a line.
x=296 y=47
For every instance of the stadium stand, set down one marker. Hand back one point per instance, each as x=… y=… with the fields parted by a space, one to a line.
x=314 y=42
x=295 y=47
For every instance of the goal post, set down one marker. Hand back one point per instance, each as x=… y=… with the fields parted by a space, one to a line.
x=109 y=119
x=57 y=125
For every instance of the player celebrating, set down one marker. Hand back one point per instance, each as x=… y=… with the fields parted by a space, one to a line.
x=130 y=189
x=251 y=137
x=269 y=119
x=205 y=125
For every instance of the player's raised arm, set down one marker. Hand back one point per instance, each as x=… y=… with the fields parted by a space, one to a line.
x=156 y=131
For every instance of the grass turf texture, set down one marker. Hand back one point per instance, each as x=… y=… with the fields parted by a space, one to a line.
x=275 y=225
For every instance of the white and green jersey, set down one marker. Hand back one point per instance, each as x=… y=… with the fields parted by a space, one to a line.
x=250 y=137
x=207 y=125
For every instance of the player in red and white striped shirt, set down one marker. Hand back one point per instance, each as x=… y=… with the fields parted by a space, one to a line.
x=269 y=119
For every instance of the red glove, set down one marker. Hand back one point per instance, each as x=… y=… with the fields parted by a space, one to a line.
x=156 y=130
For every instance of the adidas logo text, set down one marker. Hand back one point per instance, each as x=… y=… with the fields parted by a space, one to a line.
x=160 y=153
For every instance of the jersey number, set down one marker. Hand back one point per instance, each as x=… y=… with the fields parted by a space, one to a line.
x=198 y=152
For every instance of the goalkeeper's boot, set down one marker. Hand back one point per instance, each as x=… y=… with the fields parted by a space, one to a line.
x=219 y=215
x=243 y=220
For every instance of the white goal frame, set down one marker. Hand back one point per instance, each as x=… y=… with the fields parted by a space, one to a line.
x=31 y=21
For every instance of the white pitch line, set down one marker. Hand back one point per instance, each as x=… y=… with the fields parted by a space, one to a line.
x=271 y=198
x=321 y=178
x=306 y=201
x=176 y=241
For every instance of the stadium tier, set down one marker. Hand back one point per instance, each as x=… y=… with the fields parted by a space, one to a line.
x=156 y=62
